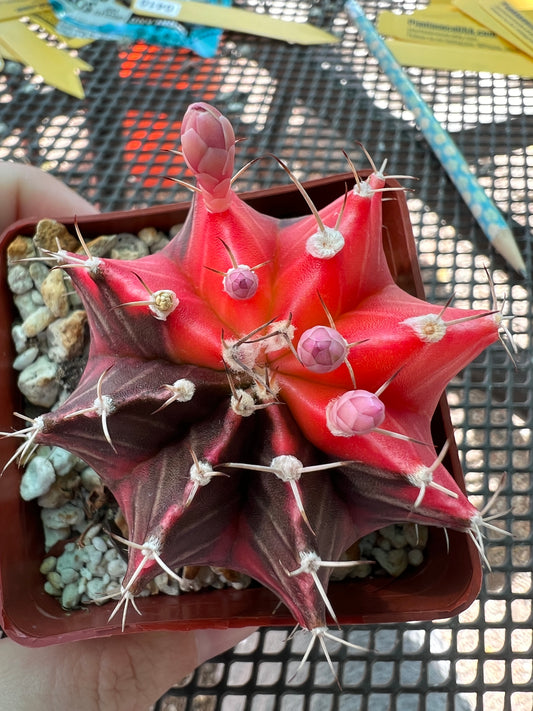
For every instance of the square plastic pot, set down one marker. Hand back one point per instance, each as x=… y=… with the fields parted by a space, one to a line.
x=445 y=584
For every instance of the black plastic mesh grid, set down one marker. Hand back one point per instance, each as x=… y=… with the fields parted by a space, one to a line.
x=306 y=105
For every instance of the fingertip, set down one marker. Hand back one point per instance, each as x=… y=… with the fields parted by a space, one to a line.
x=210 y=643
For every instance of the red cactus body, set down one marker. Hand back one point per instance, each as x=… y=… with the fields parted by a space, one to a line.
x=185 y=382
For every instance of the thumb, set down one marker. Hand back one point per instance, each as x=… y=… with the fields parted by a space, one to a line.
x=116 y=673
x=29 y=192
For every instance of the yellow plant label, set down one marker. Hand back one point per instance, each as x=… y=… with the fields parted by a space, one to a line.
x=442 y=57
x=58 y=68
x=444 y=26
x=11 y=9
x=504 y=18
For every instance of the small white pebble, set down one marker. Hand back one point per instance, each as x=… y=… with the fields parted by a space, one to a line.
x=65 y=337
x=24 y=304
x=395 y=535
x=85 y=573
x=117 y=568
x=38 y=272
x=51 y=590
x=98 y=571
x=70 y=597
x=100 y=246
x=150 y=236
x=72 y=558
x=99 y=543
x=158 y=246
x=187 y=585
x=37 y=479
x=90 y=479
x=26 y=358
x=173 y=231
x=48 y=565
x=37 y=321
x=161 y=579
x=171 y=588
x=112 y=588
x=96 y=588
x=19 y=338
x=69 y=575
x=383 y=543
x=55 y=579
x=415 y=557
x=62 y=461
x=67 y=515
x=53 y=535
x=19 y=279
x=111 y=554
x=39 y=383
x=127 y=246
x=393 y=561
x=92 y=558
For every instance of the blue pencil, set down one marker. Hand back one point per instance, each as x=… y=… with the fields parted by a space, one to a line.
x=482 y=208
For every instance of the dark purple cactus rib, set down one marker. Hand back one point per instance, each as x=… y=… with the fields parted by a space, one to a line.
x=258 y=395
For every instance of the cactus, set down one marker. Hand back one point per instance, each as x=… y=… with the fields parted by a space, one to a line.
x=258 y=395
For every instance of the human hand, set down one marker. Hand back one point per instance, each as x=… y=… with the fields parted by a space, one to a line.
x=128 y=672
x=121 y=673
x=29 y=192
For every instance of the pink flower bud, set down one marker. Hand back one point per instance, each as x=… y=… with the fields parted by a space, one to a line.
x=241 y=282
x=322 y=349
x=356 y=412
x=208 y=146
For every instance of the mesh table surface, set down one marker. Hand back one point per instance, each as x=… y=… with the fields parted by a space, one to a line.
x=306 y=105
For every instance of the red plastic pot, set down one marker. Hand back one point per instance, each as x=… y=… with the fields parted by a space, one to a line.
x=446 y=583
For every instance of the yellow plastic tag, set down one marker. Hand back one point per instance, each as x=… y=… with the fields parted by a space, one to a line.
x=442 y=57
x=514 y=21
x=11 y=9
x=446 y=36
x=58 y=69
x=442 y=25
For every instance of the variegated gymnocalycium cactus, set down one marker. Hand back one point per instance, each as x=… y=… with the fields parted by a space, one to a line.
x=258 y=395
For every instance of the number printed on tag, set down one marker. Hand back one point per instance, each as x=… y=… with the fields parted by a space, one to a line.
x=158 y=7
